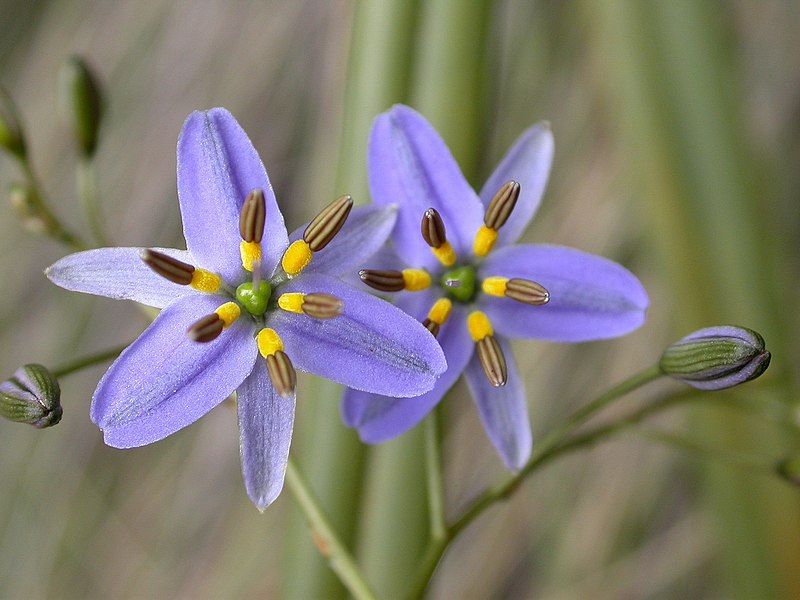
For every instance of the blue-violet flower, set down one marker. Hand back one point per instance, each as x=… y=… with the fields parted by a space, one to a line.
x=243 y=288
x=454 y=264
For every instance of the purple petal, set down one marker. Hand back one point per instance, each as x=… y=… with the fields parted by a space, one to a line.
x=371 y=346
x=217 y=168
x=164 y=381
x=265 y=434
x=118 y=273
x=409 y=164
x=381 y=418
x=364 y=233
x=591 y=298
x=528 y=163
x=503 y=410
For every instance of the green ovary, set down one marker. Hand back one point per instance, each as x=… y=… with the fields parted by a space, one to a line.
x=254 y=301
x=465 y=278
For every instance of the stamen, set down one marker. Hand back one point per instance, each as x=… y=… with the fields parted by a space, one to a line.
x=489 y=351
x=383 y=280
x=327 y=223
x=211 y=326
x=435 y=235
x=169 y=268
x=206 y=281
x=317 y=305
x=253 y=217
x=280 y=369
x=438 y=315
x=521 y=290
x=495 y=217
x=296 y=257
x=415 y=280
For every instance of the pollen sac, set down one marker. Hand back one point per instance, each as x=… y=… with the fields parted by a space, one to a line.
x=206 y=329
x=433 y=230
x=501 y=205
x=492 y=360
x=383 y=280
x=716 y=358
x=169 y=268
x=281 y=373
x=253 y=217
x=521 y=290
x=31 y=396
x=327 y=223
x=322 y=306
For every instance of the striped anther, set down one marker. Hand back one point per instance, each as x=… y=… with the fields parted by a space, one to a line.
x=253 y=216
x=383 y=280
x=282 y=373
x=492 y=360
x=495 y=217
x=526 y=291
x=432 y=227
x=206 y=329
x=322 y=306
x=327 y=223
x=169 y=268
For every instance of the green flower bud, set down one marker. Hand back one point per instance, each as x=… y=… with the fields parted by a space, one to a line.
x=716 y=358
x=81 y=101
x=31 y=396
x=11 y=136
x=789 y=469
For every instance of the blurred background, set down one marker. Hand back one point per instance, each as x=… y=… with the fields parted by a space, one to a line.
x=677 y=150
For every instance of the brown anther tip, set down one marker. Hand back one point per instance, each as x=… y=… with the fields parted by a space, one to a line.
x=253 y=216
x=282 y=374
x=501 y=205
x=383 y=280
x=432 y=228
x=206 y=329
x=169 y=268
x=528 y=292
x=431 y=326
x=327 y=223
x=492 y=360
x=322 y=306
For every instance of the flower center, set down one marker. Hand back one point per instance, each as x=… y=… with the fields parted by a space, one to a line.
x=254 y=297
x=459 y=283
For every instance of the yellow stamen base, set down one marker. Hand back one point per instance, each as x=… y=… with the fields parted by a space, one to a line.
x=228 y=312
x=478 y=325
x=291 y=302
x=269 y=342
x=250 y=253
x=445 y=254
x=440 y=311
x=484 y=241
x=494 y=286
x=416 y=279
x=296 y=257
x=205 y=281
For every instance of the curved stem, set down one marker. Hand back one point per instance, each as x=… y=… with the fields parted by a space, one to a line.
x=326 y=539
x=89 y=361
x=434 y=477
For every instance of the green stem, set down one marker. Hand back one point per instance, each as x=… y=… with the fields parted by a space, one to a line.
x=86 y=180
x=88 y=361
x=435 y=480
x=326 y=539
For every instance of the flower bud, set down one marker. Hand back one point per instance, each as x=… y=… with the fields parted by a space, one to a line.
x=789 y=469
x=81 y=101
x=11 y=137
x=716 y=358
x=31 y=396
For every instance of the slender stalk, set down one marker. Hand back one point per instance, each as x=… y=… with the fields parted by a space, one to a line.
x=435 y=479
x=88 y=361
x=86 y=179
x=326 y=539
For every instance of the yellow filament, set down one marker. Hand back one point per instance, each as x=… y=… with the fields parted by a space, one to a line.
x=251 y=254
x=440 y=311
x=495 y=286
x=269 y=342
x=205 y=281
x=445 y=254
x=296 y=257
x=228 y=312
x=292 y=302
x=416 y=279
x=478 y=325
x=484 y=241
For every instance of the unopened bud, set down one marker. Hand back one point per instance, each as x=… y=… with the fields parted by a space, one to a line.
x=789 y=469
x=716 y=358
x=81 y=101
x=31 y=396
x=22 y=200
x=11 y=136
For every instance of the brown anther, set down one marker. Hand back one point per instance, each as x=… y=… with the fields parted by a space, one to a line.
x=433 y=231
x=383 y=280
x=327 y=223
x=492 y=360
x=253 y=216
x=529 y=292
x=501 y=205
x=431 y=326
x=169 y=268
x=206 y=329
x=281 y=373
x=322 y=306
